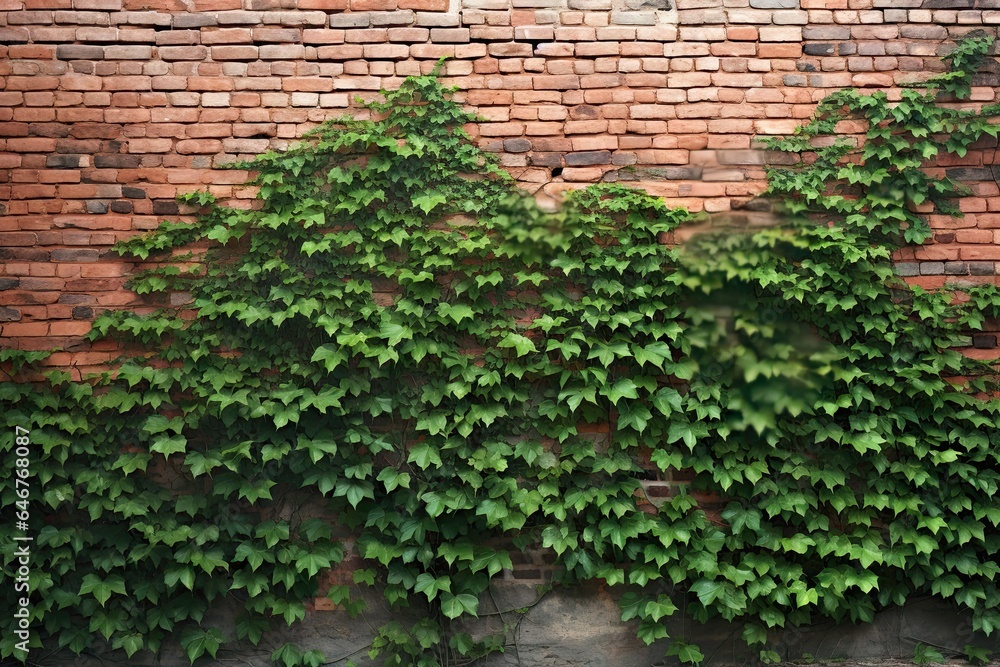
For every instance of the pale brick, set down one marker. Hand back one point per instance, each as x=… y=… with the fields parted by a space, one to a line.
x=282 y=52
x=386 y=52
x=703 y=34
x=305 y=99
x=408 y=35
x=341 y=52
x=296 y=18
x=780 y=34
x=128 y=52
x=370 y=36
x=397 y=18
x=215 y=99
x=239 y=18
x=435 y=19
x=633 y=18
x=449 y=35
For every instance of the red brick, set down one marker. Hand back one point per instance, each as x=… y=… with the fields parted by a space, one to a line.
x=424 y=5
x=69 y=328
x=226 y=36
x=317 y=36
x=173 y=53
x=17 y=329
x=296 y=84
x=98 y=5
x=32 y=83
x=31 y=145
x=779 y=51
x=149 y=145
x=11 y=239
x=272 y=35
x=340 y=52
x=13 y=35
x=235 y=53
x=202 y=130
x=372 y=5
x=199 y=146
x=334 y=5
x=130 y=83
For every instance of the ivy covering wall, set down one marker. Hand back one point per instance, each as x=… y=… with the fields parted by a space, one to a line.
x=397 y=347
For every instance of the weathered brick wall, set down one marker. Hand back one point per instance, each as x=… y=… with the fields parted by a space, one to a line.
x=109 y=108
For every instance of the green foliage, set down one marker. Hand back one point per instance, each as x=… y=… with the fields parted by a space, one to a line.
x=398 y=345
x=977 y=655
x=925 y=655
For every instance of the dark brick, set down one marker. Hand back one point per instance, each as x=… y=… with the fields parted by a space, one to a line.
x=117 y=161
x=9 y=283
x=956 y=268
x=96 y=131
x=78 y=146
x=986 y=79
x=24 y=254
x=517 y=145
x=9 y=314
x=75 y=255
x=50 y=130
x=121 y=207
x=663 y=174
x=133 y=193
x=847 y=49
x=62 y=161
x=165 y=207
x=83 y=313
x=194 y=20
x=981 y=268
x=97 y=207
x=546 y=159
x=588 y=158
x=584 y=112
x=79 y=52
x=923 y=32
x=805 y=67
x=754 y=205
x=819 y=49
x=31 y=298
x=948 y=4
x=76 y=298
x=969 y=174
x=982 y=341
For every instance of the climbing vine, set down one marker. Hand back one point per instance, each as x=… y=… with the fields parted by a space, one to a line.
x=397 y=355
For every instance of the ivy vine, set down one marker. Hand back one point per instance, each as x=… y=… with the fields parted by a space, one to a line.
x=399 y=356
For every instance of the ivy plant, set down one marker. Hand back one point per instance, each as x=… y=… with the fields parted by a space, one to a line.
x=397 y=364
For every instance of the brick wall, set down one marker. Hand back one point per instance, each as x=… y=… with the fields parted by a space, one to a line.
x=109 y=108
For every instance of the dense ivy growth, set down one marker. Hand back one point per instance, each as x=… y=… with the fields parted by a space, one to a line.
x=397 y=346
